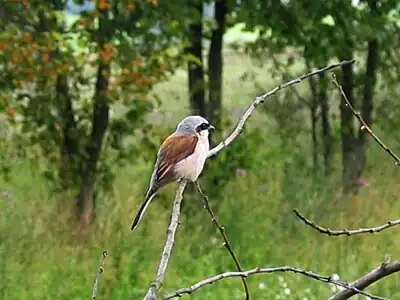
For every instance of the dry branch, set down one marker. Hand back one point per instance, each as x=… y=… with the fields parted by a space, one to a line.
x=380 y=272
x=151 y=294
x=364 y=125
x=98 y=276
x=169 y=243
x=262 y=98
x=225 y=237
x=213 y=279
x=337 y=232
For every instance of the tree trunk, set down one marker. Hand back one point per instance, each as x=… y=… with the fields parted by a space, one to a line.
x=86 y=201
x=325 y=124
x=347 y=128
x=314 y=119
x=367 y=106
x=195 y=66
x=215 y=65
x=100 y=121
x=69 y=151
x=313 y=106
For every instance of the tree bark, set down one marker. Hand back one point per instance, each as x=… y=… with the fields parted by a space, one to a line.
x=196 y=83
x=69 y=151
x=313 y=106
x=327 y=141
x=314 y=138
x=215 y=65
x=369 y=84
x=100 y=122
x=347 y=128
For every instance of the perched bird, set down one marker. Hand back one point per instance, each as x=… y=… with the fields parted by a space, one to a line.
x=181 y=156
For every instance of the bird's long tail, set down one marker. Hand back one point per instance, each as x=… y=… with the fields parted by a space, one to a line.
x=142 y=209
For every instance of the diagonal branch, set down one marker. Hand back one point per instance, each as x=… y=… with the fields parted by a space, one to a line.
x=364 y=125
x=380 y=272
x=151 y=294
x=98 y=276
x=322 y=278
x=337 y=232
x=225 y=237
x=262 y=98
x=169 y=243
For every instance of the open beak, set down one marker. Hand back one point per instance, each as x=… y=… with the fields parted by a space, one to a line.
x=211 y=128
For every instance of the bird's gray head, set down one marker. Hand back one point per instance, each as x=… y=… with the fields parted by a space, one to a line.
x=194 y=125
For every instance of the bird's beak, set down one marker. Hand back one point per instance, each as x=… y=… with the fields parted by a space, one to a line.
x=211 y=128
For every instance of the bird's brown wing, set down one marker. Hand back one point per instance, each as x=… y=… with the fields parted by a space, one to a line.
x=174 y=149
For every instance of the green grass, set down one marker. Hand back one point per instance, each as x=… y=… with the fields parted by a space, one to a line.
x=43 y=256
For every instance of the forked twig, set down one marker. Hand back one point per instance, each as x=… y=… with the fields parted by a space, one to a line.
x=364 y=125
x=213 y=279
x=169 y=243
x=98 y=276
x=225 y=237
x=337 y=232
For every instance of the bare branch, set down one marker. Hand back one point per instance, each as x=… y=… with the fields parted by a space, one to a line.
x=262 y=98
x=97 y=279
x=336 y=232
x=380 y=272
x=169 y=243
x=364 y=125
x=213 y=279
x=225 y=237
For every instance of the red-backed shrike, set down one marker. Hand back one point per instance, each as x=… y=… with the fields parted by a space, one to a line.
x=181 y=156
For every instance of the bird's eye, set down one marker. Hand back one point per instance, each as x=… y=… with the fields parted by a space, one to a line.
x=203 y=126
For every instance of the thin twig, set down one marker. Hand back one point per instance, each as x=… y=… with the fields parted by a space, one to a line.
x=380 y=272
x=169 y=243
x=364 y=125
x=262 y=98
x=213 y=279
x=336 y=232
x=98 y=276
x=225 y=237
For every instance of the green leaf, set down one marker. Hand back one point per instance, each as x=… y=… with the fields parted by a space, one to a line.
x=328 y=20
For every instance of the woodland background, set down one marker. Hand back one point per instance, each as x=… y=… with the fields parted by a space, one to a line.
x=88 y=90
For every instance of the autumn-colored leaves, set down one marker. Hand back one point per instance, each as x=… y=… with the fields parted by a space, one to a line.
x=130 y=4
x=31 y=55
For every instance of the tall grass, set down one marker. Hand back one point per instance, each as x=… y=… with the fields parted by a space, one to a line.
x=43 y=256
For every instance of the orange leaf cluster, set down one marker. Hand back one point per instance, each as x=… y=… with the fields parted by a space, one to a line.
x=137 y=62
x=84 y=22
x=130 y=5
x=10 y=111
x=103 y=4
x=153 y=2
x=107 y=53
x=27 y=37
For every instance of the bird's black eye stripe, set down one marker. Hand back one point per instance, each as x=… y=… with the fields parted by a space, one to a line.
x=203 y=126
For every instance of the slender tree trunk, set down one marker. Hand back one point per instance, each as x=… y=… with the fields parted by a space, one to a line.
x=313 y=106
x=314 y=138
x=196 y=83
x=100 y=122
x=69 y=151
x=347 y=128
x=367 y=106
x=325 y=124
x=215 y=65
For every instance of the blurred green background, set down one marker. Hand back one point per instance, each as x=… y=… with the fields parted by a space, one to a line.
x=88 y=91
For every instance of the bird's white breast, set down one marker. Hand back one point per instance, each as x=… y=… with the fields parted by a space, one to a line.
x=191 y=167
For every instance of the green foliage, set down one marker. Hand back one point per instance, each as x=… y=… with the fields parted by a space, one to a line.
x=49 y=91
